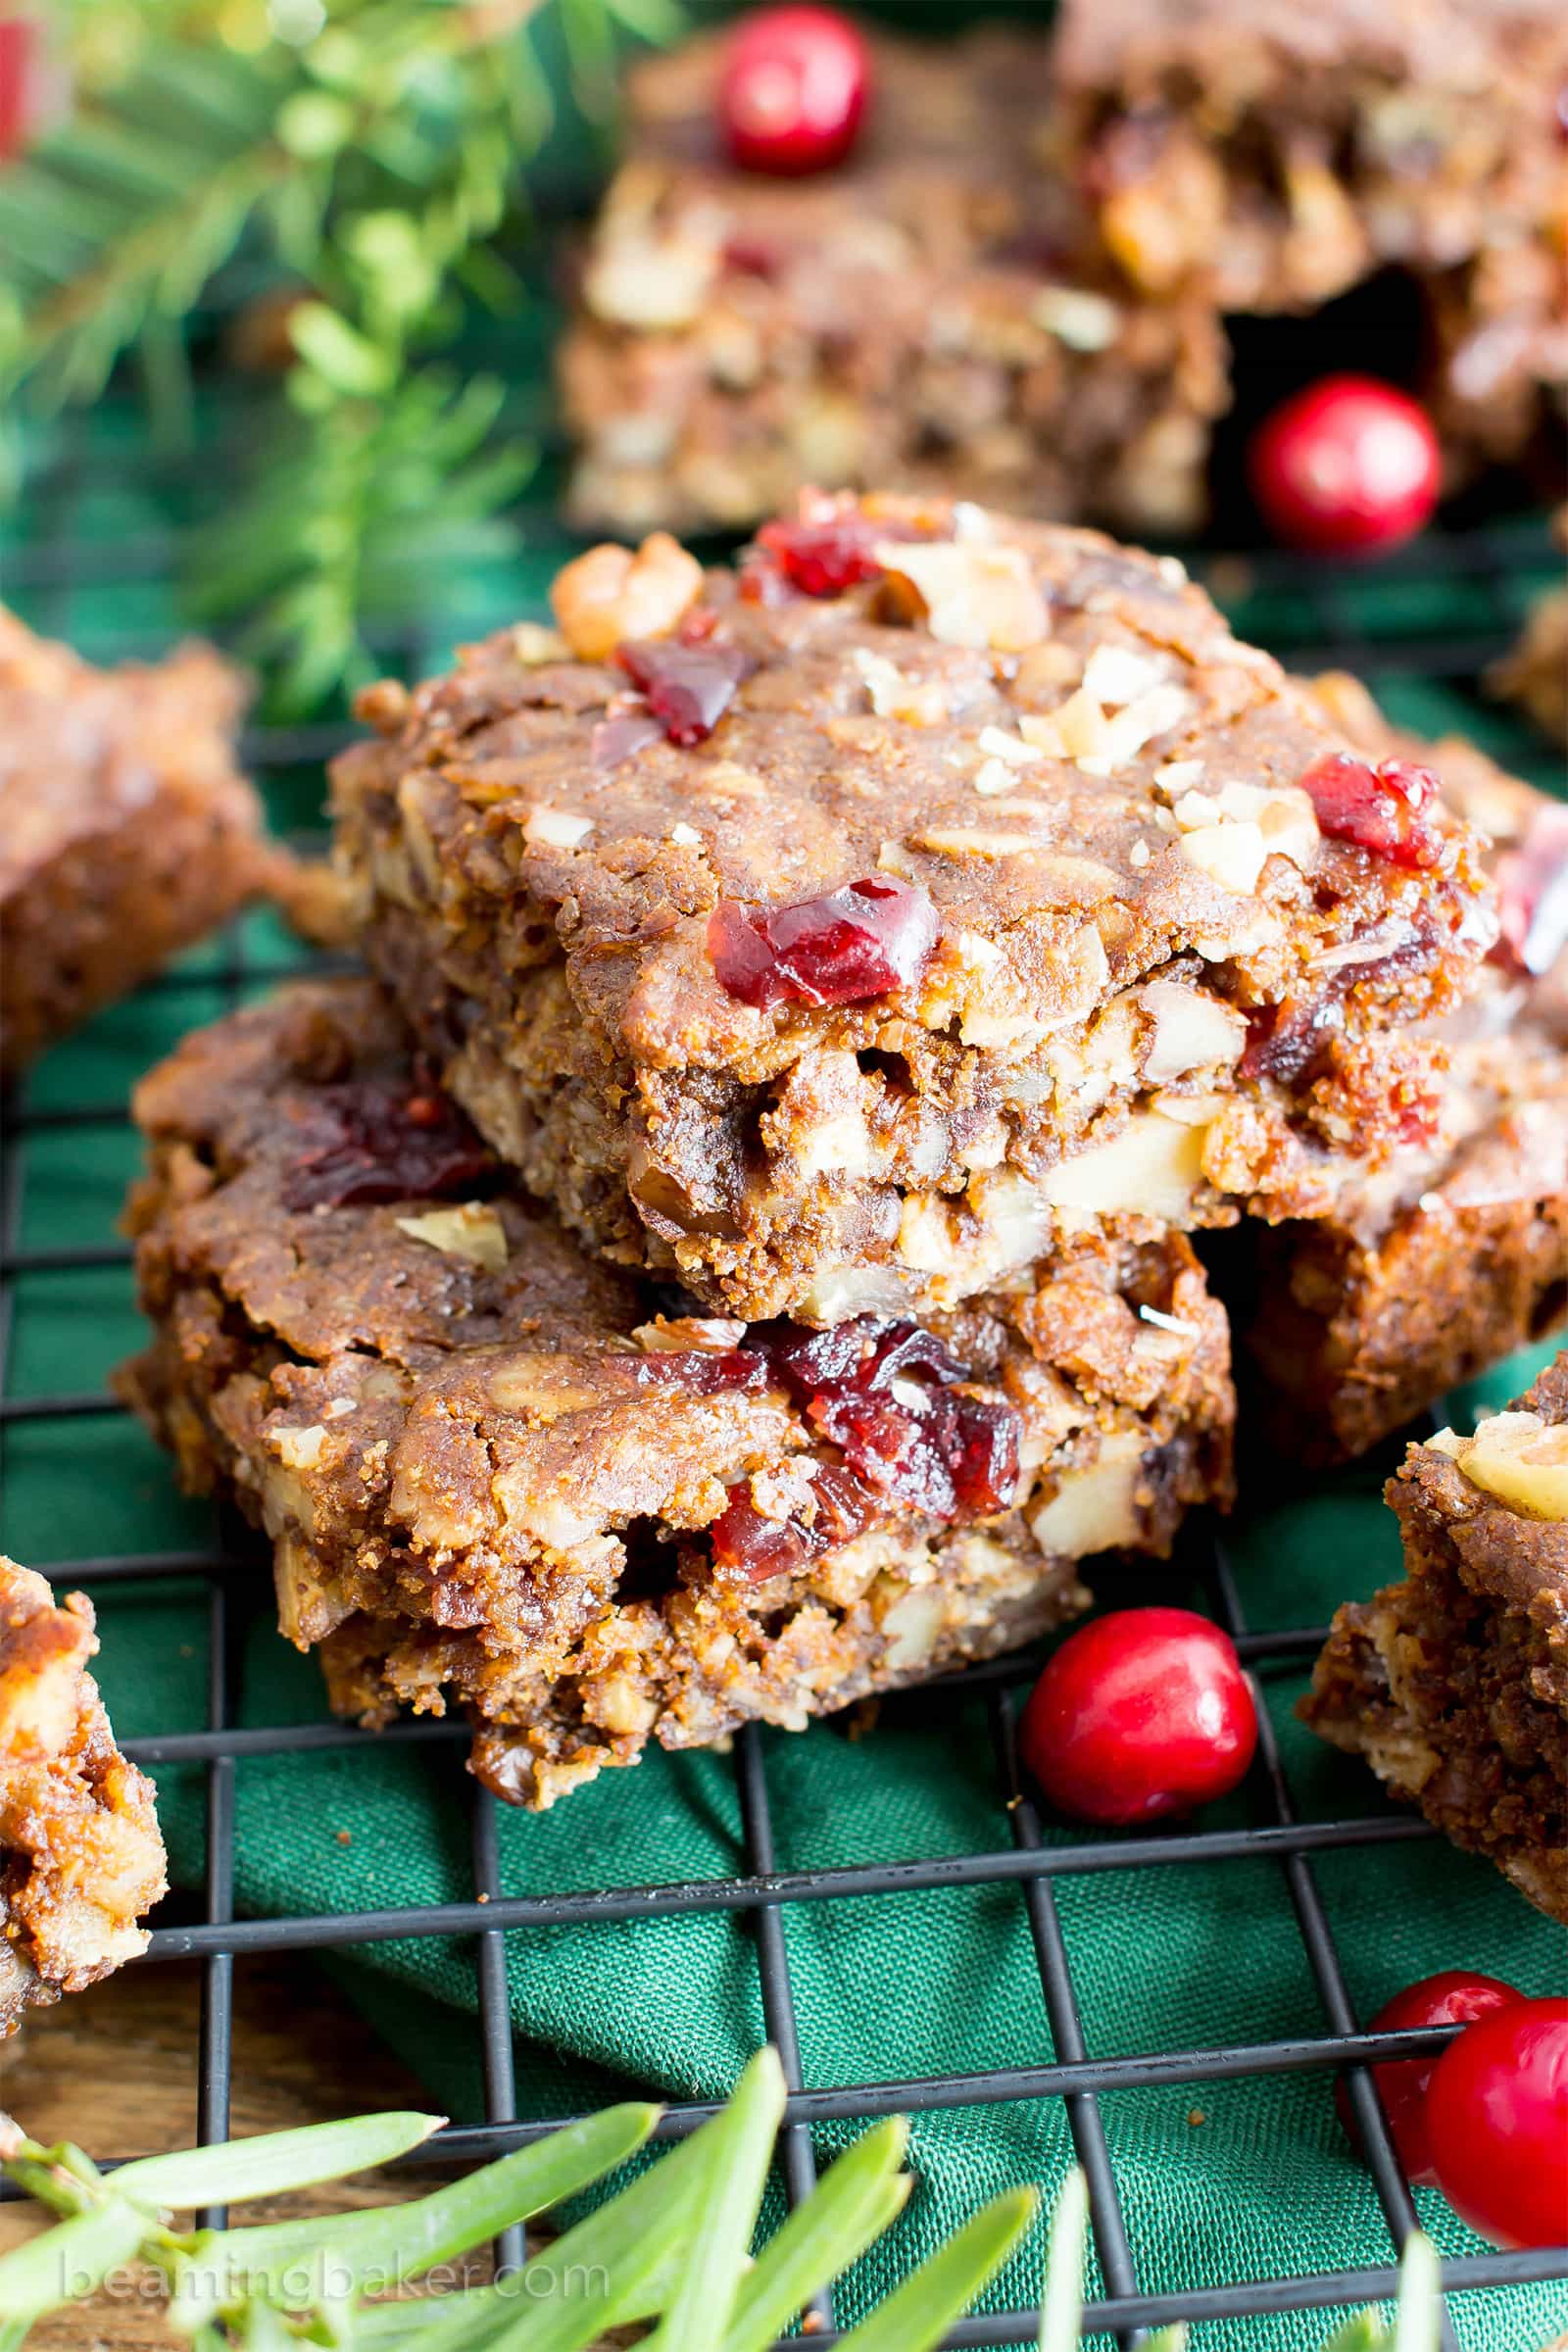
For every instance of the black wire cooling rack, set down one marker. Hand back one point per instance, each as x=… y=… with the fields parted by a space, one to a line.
x=1320 y=620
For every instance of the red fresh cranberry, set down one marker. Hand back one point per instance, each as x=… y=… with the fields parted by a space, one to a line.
x=365 y=1142
x=1349 y=462
x=753 y=257
x=1456 y=1996
x=1497 y=2119
x=688 y=688
x=1382 y=807
x=793 y=91
x=1533 y=892
x=1140 y=1714
x=840 y=949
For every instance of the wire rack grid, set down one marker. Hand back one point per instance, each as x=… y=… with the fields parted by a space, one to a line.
x=1318 y=626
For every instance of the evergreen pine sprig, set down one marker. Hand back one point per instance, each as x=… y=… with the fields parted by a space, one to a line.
x=366 y=154
x=670 y=2252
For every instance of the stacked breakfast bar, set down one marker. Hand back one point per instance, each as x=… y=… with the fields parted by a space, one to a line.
x=736 y=1257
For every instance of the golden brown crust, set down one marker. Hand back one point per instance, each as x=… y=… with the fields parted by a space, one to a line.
x=81 y=1859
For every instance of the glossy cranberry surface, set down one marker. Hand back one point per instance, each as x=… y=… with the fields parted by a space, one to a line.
x=1456 y=1996
x=793 y=91
x=1347 y=464
x=884 y=1395
x=365 y=1143
x=687 y=687
x=1497 y=2119
x=1139 y=1715
x=840 y=949
x=1533 y=892
x=1380 y=807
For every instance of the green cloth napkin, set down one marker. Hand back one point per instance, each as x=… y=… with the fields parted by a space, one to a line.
x=1245 y=2180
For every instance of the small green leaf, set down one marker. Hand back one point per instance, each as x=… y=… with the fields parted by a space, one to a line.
x=339 y=354
x=917 y=2315
x=73 y=2260
x=1061 y=2304
x=1418 y=2322
x=312 y=123
x=274 y=2162
x=374 y=2250
x=860 y=2197
x=740 y=2150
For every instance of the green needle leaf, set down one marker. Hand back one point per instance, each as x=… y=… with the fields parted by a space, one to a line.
x=917 y=2315
x=274 y=2162
x=740 y=2150
x=1417 y=2324
x=1061 y=2306
x=69 y=2262
x=860 y=2197
x=372 y=2251
x=616 y=2266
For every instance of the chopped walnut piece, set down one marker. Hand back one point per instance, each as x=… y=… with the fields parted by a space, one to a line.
x=970 y=594
x=610 y=595
x=555 y=829
x=1518 y=1457
x=471 y=1230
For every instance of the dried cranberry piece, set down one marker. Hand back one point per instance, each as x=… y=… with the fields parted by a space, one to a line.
x=1533 y=893
x=842 y=1506
x=984 y=1462
x=1382 y=807
x=882 y=1391
x=701 y=1371
x=622 y=733
x=753 y=255
x=365 y=1143
x=840 y=949
x=688 y=688
x=826 y=556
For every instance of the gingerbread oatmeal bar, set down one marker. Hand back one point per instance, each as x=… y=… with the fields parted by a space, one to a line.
x=82 y=1860
x=498 y=1475
x=1453 y=1684
x=126 y=831
x=905 y=322
x=1275 y=156
x=1455 y=1253
x=839 y=932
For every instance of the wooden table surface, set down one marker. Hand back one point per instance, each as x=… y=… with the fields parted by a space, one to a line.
x=115 y=2070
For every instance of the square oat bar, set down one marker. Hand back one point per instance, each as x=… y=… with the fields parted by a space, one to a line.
x=498 y=1475
x=126 y=831
x=908 y=320
x=1453 y=1685
x=1455 y=1252
x=839 y=932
